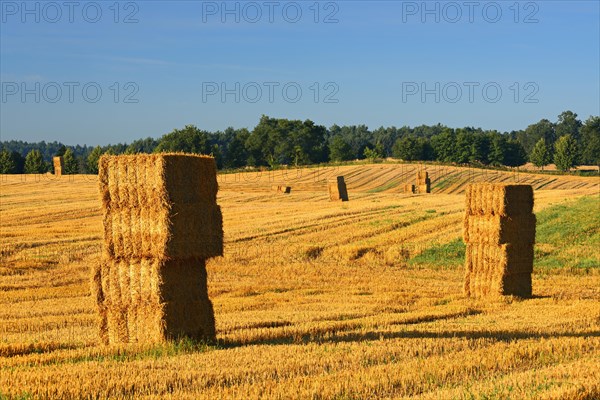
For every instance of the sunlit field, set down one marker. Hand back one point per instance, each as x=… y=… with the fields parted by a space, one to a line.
x=313 y=299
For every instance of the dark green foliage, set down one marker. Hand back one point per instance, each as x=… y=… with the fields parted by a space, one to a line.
x=590 y=141
x=34 y=163
x=142 y=146
x=92 y=160
x=189 y=140
x=565 y=153
x=411 y=148
x=339 y=149
x=540 y=155
x=279 y=141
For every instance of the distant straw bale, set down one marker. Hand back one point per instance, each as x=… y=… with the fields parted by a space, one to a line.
x=281 y=189
x=59 y=165
x=409 y=188
x=337 y=189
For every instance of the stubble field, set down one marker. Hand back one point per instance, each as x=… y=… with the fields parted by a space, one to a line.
x=313 y=299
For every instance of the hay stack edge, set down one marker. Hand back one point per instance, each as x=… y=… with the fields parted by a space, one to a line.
x=161 y=223
x=499 y=230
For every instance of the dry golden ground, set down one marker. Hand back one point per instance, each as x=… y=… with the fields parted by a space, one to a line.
x=312 y=299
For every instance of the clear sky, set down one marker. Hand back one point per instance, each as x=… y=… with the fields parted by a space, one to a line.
x=105 y=72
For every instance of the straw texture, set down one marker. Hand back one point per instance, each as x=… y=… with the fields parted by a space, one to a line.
x=499 y=229
x=161 y=222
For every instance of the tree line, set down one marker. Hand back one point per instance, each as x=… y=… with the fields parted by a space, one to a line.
x=274 y=142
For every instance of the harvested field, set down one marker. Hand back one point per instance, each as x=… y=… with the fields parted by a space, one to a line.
x=360 y=299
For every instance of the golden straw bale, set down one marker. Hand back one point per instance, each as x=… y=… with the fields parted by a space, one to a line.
x=337 y=189
x=154 y=301
x=161 y=205
x=59 y=165
x=498 y=199
x=494 y=229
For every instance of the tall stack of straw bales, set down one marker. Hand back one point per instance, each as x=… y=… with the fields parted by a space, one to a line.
x=59 y=165
x=337 y=189
x=499 y=230
x=161 y=223
x=423 y=182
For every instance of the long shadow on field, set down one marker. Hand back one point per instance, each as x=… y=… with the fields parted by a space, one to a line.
x=344 y=337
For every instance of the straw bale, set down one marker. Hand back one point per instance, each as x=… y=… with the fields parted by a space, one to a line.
x=281 y=189
x=498 y=199
x=59 y=165
x=488 y=266
x=160 y=205
x=408 y=188
x=426 y=188
x=153 y=300
x=495 y=229
x=337 y=189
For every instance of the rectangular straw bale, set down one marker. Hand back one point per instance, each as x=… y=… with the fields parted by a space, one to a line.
x=409 y=188
x=153 y=301
x=498 y=199
x=488 y=266
x=162 y=205
x=505 y=258
x=495 y=229
x=337 y=189
x=59 y=165
x=426 y=188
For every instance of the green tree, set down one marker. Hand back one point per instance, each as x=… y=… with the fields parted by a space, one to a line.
x=568 y=124
x=7 y=163
x=530 y=136
x=590 y=140
x=236 y=155
x=339 y=149
x=61 y=151
x=444 y=145
x=515 y=154
x=408 y=148
x=565 y=153
x=142 y=146
x=540 y=155
x=71 y=164
x=92 y=160
x=374 y=153
x=498 y=149
x=34 y=163
x=188 y=140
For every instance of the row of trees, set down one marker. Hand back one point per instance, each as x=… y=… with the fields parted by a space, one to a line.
x=568 y=142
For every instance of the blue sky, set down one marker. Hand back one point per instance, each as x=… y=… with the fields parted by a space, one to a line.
x=353 y=61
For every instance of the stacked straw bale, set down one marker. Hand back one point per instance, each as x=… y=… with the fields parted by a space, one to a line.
x=337 y=189
x=59 y=165
x=281 y=189
x=423 y=182
x=409 y=188
x=499 y=230
x=161 y=223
